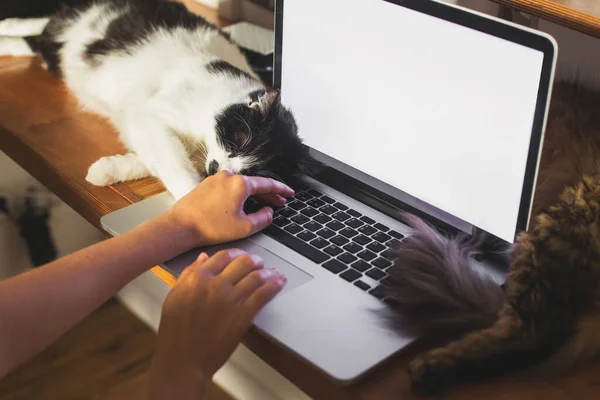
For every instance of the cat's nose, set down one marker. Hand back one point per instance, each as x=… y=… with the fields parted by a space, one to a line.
x=213 y=167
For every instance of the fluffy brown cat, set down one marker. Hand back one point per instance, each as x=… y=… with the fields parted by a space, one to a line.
x=547 y=315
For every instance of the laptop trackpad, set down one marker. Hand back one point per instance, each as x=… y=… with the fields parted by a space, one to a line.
x=295 y=276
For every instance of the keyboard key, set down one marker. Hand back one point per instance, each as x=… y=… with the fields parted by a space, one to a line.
x=293 y=228
x=286 y=212
x=395 y=234
x=333 y=250
x=352 y=248
x=392 y=243
x=380 y=263
x=251 y=206
x=319 y=243
x=376 y=274
x=362 y=239
x=367 y=220
x=360 y=265
x=322 y=218
x=313 y=226
x=355 y=223
x=300 y=219
x=381 y=237
x=362 y=285
x=347 y=258
x=367 y=255
x=296 y=244
x=354 y=213
x=335 y=225
x=309 y=211
x=307 y=236
x=339 y=240
x=315 y=193
x=303 y=196
x=316 y=203
x=367 y=230
x=376 y=247
x=326 y=233
x=377 y=292
x=296 y=205
x=334 y=266
x=281 y=221
x=388 y=281
x=381 y=227
x=349 y=233
x=328 y=199
x=328 y=209
x=341 y=216
x=341 y=206
x=389 y=254
x=350 y=275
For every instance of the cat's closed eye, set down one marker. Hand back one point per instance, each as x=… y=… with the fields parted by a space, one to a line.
x=240 y=139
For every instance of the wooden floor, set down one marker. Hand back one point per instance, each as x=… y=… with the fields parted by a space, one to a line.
x=107 y=356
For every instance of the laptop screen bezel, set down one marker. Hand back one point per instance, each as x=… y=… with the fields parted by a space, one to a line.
x=394 y=207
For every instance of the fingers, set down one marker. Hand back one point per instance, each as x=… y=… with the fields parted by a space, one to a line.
x=274 y=199
x=259 y=185
x=264 y=294
x=239 y=268
x=218 y=262
x=260 y=220
x=254 y=280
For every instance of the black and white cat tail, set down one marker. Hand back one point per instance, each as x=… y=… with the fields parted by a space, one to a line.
x=438 y=291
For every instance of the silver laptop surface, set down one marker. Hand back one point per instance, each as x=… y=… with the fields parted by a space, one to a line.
x=413 y=106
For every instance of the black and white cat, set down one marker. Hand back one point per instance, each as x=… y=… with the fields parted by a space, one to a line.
x=177 y=89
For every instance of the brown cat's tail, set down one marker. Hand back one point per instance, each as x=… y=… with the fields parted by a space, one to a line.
x=437 y=289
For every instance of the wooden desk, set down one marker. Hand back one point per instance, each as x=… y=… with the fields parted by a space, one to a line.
x=581 y=15
x=42 y=129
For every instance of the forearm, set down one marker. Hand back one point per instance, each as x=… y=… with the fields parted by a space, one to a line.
x=39 y=306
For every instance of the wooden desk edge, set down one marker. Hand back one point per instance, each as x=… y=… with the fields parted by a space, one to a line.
x=557 y=13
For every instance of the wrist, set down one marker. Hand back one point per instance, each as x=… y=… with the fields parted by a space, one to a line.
x=177 y=383
x=168 y=237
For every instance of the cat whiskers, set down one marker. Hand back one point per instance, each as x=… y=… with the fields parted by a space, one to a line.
x=249 y=136
x=269 y=174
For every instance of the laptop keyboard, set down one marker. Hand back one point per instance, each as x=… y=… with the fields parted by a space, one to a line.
x=340 y=239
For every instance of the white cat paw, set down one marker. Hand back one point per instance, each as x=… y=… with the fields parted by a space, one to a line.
x=23 y=27
x=12 y=46
x=102 y=172
x=113 y=169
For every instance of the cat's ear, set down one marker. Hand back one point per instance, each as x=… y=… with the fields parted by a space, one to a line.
x=265 y=103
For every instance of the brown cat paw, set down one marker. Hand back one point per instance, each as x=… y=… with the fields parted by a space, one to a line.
x=427 y=375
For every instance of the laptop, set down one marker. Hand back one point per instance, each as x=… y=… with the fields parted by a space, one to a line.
x=411 y=105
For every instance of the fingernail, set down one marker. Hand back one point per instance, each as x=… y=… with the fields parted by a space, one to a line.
x=236 y=253
x=202 y=257
x=282 y=280
x=267 y=273
x=256 y=259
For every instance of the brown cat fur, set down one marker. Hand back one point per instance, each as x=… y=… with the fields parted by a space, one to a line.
x=548 y=316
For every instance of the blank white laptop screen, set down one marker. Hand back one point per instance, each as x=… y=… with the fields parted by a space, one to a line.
x=437 y=110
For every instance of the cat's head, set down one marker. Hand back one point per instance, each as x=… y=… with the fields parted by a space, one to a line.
x=259 y=138
x=575 y=216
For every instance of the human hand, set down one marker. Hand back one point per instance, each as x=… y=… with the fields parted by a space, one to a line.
x=213 y=212
x=204 y=318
